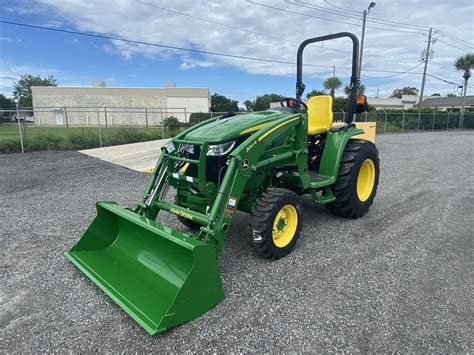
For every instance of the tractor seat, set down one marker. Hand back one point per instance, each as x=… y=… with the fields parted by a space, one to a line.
x=319 y=114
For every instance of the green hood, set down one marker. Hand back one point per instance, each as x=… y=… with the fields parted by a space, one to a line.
x=226 y=129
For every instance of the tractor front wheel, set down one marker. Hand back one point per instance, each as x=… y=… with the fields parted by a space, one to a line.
x=357 y=180
x=275 y=224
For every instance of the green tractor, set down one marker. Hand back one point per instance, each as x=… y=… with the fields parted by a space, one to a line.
x=259 y=163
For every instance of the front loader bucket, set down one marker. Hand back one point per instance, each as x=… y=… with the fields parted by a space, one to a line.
x=159 y=276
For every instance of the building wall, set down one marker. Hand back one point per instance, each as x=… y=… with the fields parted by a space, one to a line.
x=116 y=106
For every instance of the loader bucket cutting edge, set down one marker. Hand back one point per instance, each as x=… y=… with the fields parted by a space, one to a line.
x=159 y=276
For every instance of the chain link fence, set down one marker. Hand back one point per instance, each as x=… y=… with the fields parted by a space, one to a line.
x=80 y=128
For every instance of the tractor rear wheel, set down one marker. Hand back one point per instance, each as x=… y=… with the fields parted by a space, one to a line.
x=275 y=223
x=356 y=184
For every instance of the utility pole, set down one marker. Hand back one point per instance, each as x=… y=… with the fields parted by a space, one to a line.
x=364 y=20
x=333 y=71
x=466 y=77
x=427 y=55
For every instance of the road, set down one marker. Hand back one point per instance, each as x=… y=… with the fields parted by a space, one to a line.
x=398 y=279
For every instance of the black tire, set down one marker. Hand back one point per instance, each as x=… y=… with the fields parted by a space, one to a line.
x=263 y=218
x=348 y=203
x=188 y=223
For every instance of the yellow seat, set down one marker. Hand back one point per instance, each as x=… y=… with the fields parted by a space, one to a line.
x=319 y=114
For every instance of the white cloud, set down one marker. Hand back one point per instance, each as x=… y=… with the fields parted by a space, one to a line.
x=384 y=50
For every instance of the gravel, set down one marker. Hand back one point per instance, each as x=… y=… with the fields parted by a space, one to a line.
x=398 y=279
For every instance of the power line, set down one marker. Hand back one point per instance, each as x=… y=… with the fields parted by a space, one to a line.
x=400 y=73
x=345 y=14
x=236 y=56
x=327 y=19
x=452 y=45
x=458 y=40
x=215 y=22
x=340 y=8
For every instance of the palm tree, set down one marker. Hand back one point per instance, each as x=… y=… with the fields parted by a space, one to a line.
x=464 y=63
x=360 y=90
x=332 y=84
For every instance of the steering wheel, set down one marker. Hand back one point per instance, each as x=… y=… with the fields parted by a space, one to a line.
x=291 y=103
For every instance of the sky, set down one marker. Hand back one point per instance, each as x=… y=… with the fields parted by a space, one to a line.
x=396 y=35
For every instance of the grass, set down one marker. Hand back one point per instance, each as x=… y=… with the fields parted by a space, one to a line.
x=73 y=138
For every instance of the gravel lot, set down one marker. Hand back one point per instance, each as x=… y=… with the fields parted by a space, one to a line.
x=399 y=279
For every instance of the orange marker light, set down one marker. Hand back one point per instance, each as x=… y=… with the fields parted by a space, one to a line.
x=361 y=100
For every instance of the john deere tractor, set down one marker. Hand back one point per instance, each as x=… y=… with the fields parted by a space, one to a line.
x=259 y=163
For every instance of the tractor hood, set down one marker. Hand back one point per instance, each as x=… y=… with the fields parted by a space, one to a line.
x=226 y=129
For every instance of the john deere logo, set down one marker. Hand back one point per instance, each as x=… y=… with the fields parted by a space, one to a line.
x=245 y=164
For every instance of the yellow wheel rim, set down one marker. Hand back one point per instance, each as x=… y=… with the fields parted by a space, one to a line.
x=284 y=226
x=365 y=180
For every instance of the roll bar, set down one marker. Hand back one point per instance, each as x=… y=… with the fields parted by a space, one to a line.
x=355 y=82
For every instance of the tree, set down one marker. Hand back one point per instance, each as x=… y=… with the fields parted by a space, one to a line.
x=262 y=103
x=332 y=84
x=249 y=105
x=451 y=94
x=466 y=64
x=5 y=104
x=22 y=88
x=315 y=93
x=360 y=90
x=435 y=94
x=407 y=90
x=171 y=123
x=220 y=103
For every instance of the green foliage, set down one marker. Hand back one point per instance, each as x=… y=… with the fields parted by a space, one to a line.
x=171 y=123
x=435 y=94
x=332 y=84
x=407 y=90
x=262 y=103
x=340 y=104
x=451 y=94
x=5 y=104
x=466 y=64
x=315 y=93
x=22 y=88
x=249 y=105
x=82 y=141
x=360 y=90
x=220 y=103
x=197 y=117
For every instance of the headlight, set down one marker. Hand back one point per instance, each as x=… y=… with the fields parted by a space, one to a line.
x=190 y=149
x=220 y=149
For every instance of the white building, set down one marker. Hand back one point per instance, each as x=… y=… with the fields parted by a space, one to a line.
x=406 y=102
x=82 y=106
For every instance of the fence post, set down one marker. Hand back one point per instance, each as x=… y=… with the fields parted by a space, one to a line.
x=385 y=121
x=65 y=116
x=146 y=117
x=185 y=115
x=434 y=116
x=419 y=117
x=343 y=116
x=162 y=128
x=19 y=128
x=447 y=122
x=105 y=116
x=403 y=120
x=100 y=130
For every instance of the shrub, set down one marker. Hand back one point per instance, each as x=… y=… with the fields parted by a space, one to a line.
x=171 y=123
x=10 y=146
x=44 y=142
x=197 y=117
x=82 y=141
x=125 y=136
